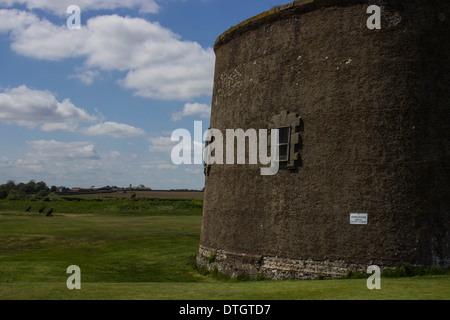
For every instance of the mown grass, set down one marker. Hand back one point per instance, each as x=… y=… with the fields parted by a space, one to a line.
x=403 y=271
x=148 y=254
x=107 y=248
x=415 y=288
x=139 y=206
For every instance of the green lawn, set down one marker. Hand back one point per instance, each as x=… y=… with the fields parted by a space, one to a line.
x=107 y=248
x=148 y=256
x=108 y=206
x=415 y=288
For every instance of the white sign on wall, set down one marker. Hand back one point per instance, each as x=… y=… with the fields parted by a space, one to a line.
x=358 y=218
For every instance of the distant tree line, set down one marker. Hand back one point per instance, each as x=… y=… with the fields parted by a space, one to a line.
x=14 y=191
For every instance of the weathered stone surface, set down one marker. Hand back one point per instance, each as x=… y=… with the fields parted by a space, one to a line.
x=375 y=110
x=274 y=268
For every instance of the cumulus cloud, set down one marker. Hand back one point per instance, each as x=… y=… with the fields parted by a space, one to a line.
x=157 y=62
x=40 y=108
x=161 y=144
x=16 y=20
x=56 y=151
x=47 y=41
x=28 y=107
x=59 y=7
x=113 y=129
x=65 y=162
x=193 y=110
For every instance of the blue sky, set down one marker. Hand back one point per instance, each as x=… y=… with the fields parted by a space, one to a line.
x=97 y=106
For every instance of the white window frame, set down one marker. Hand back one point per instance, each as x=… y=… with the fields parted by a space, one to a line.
x=287 y=144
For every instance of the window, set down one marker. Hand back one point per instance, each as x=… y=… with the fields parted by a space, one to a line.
x=289 y=126
x=284 y=143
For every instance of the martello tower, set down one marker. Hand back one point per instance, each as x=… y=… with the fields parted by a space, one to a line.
x=366 y=118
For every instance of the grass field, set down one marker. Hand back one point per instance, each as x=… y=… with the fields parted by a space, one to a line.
x=109 y=206
x=146 y=250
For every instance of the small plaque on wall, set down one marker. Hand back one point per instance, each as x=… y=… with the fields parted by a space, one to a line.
x=358 y=218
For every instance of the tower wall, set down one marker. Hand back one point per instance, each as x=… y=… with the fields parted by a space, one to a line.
x=373 y=138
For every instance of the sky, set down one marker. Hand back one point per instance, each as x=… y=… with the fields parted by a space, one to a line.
x=97 y=105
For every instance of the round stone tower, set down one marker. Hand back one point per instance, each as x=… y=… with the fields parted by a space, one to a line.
x=365 y=117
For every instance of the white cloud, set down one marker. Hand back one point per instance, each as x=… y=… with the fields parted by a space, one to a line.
x=46 y=41
x=59 y=7
x=62 y=126
x=32 y=108
x=193 y=109
x=70 y=163
x=158 y=63
x=114 y=154
x=165 y=145
x=32 y=165
x=81 y=164
x=4 y=162
x=86 y=77
x=161 y=144
x=15 y=20
x=196 y=171
x=166 y=166
x=158 y=164
x=113 y=129
x=56 y=151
